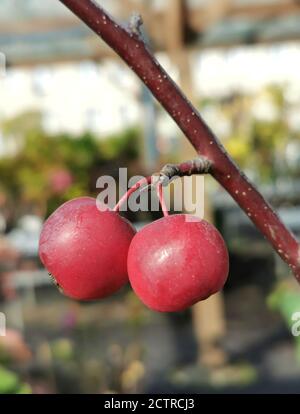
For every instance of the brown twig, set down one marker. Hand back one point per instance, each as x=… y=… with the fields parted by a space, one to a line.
x=128 y=43
x=200 y=165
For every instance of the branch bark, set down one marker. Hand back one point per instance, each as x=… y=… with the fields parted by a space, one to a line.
x=128 y=43
x=199 y=165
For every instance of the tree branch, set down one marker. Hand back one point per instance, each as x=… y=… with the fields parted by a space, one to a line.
x=200 y=165
x=129 y=45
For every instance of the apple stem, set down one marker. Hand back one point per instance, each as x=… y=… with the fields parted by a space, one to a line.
x=141 y=183
x=161 y=198
x=169 y=172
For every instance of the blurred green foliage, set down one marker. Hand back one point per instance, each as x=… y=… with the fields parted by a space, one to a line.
x=62 y=350
x=286 y=300
x=257 y=130
x=47 y=169
x=10 y=383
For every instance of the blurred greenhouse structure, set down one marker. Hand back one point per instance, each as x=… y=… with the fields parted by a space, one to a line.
x=70 y=112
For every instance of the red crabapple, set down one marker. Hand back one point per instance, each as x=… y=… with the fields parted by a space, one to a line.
x=175 y=262
x=85 y=250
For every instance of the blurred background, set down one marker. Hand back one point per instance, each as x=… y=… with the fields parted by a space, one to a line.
x=71 y=111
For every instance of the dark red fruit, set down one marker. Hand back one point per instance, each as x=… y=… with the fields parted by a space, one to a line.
x=85 y=250
x=175 y=262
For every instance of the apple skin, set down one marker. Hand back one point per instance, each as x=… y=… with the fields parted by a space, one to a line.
x=177 y=261
x=85 y=250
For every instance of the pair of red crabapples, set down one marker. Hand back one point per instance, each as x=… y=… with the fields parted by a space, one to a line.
x=171 y=263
